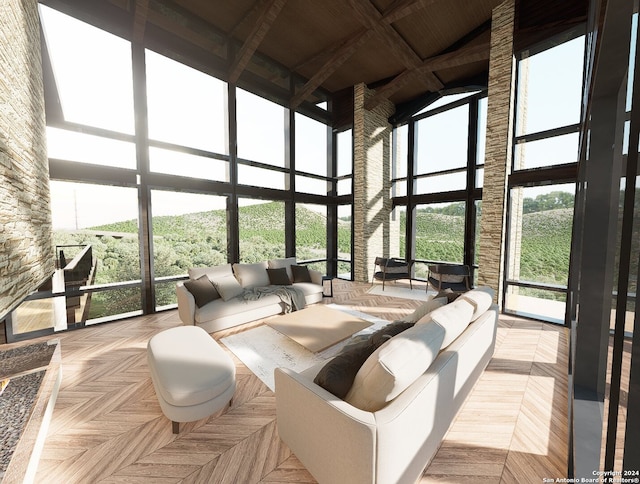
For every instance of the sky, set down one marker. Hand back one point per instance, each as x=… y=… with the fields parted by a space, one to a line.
x=94 y=79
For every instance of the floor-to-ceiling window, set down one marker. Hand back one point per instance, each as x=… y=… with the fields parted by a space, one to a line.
x=437 y=181
x=542 y=181
x=208 y=172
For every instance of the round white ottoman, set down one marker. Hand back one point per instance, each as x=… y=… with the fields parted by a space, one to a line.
x=192 y=375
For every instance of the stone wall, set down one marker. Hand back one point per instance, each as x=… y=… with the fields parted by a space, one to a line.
x=26 y=253
x=375 y=232
x=498 y=148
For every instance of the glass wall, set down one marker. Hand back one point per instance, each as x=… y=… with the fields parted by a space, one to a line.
x=540 y=207
x=207 y=203
x=432 y=185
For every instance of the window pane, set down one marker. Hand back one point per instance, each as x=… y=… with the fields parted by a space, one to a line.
x=261 y=225
x=444 y=100
x=345 y=152
x=261 y=134
x=260 y=177
x=344 y=241
x=401 y=150
x=442 y=183
x=306 y=184
x=311 y=232
x=540 y=240
x=400 y=188
x=311 y=145
x=442 y=141
x=92 y=70
x=440 y=232
x=345 y=187
x=187 y=164
x=86 y=148
x=482 y=130
x=547 y=151
x=106 y=218
x=550 y=101
x=398 y=230
x=189 y=230
x=185 y=106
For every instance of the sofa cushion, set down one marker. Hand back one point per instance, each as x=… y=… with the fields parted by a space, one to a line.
x=454 y=319
x=286 y=263
x=426 y=308
x=228 y=287
x=338 y=374
x=300 y=273
x=394 y=366
x=252 y=275
x=480 y=298
x=279 y=277
x=211 y=272
x=202 y=289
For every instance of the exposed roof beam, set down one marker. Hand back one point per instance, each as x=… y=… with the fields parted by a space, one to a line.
x=260 y=28
x=403 y=8
x=460 y=57
x=348 y=48
x=369 y=15
x=140 y=20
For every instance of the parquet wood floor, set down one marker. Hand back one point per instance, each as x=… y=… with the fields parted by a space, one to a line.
x=108 y=427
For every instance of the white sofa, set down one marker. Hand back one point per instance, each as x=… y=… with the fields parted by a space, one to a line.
x=390 y=441
x=234 y=308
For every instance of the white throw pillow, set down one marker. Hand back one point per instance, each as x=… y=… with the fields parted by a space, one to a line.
x=286 y=263
x=211 y=272
x=480 y=298
x=228 y=287
x=394 y=366
x=252 y=275
x=426 y=308
x=454 y=318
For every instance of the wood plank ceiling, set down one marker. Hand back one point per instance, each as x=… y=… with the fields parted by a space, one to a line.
x=306 y=51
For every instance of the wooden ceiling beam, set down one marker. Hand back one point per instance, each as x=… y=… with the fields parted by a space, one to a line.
x=268 y=15
x=339 y=57
x=403 y=8
x=460 y=57
x=140 y=20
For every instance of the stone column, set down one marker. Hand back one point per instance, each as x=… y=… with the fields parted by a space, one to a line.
x=372 y=221
x=26 y=252
x=498 y=147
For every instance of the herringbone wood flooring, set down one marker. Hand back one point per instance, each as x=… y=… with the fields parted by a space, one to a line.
x=108 y=427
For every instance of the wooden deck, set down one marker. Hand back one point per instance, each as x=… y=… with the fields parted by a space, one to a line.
x=107 y=425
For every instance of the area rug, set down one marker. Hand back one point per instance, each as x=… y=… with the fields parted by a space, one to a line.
x=401 y=292
x=317 y=327
x=263 y=349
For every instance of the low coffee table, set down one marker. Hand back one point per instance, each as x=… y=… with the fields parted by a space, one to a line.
x=317 y=327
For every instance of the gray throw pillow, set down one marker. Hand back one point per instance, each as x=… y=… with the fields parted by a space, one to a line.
x=202 y=289
x=279 y=277
x=228 y=287
x=300 y=273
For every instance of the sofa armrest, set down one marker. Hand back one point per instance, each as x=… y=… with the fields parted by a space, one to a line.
x=186 y=304
x=316 y=276
x=335 y=441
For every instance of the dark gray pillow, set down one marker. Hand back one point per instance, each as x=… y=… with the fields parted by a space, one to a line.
x=338 y=374
x=202 y=289
x=449 y=294
x=279 y=277
x=300 y=273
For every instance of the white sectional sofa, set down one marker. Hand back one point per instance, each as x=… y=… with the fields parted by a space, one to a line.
x=402 y=401
x=236 y=297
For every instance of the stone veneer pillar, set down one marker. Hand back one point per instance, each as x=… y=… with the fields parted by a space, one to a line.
x=26 y=252
x=375 y=232
x=498 y=151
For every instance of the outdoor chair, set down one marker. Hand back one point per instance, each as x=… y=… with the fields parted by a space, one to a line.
x=392 y=269
x=449 y=276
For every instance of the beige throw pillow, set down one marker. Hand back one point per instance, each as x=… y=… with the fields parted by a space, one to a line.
x=454 y=319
